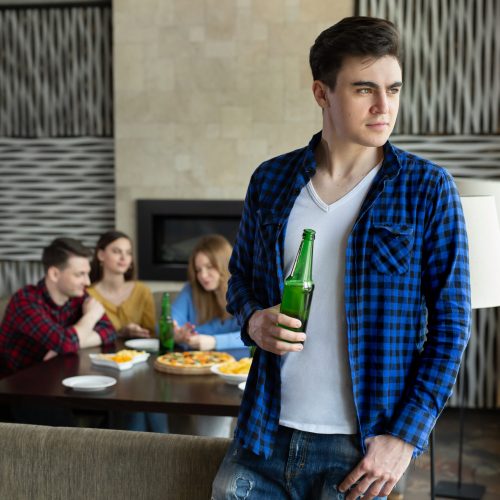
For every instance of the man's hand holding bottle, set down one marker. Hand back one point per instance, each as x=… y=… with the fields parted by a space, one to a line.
x=264 y=330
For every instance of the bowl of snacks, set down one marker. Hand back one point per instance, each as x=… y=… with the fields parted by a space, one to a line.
x=121 y=360
x=233 y=372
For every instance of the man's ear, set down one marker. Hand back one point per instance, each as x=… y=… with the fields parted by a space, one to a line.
x=53 y=274
x=320 y=92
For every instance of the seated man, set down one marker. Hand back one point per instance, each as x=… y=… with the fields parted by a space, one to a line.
x=56 y=316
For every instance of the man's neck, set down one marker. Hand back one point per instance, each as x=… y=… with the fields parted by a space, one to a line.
x=340 y=169
x=59 y=298
x=344 y=161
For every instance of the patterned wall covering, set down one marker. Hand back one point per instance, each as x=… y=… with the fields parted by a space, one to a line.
x=54 y=187
x=474 y=156
x=56 y=132
x=14 y=274
x=56 y=72
x=450 y=114
x=451 y=64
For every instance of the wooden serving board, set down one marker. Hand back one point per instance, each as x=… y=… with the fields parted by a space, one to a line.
x=186 y=370
x=181 y=370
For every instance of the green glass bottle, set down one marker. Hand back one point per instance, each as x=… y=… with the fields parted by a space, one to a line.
x=299 y=286
x=166 y=326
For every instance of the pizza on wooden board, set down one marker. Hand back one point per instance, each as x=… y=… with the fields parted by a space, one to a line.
x=190 y=362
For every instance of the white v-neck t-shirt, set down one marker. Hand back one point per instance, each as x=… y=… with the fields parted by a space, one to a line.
x=316 y=384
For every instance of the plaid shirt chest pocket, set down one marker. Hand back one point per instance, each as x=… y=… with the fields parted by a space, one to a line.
x=392 y=246
x=267 y=259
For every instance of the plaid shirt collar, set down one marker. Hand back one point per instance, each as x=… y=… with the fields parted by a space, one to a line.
x=391 y=167
x=44 y=292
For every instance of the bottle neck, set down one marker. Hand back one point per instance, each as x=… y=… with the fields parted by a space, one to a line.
x=302 y=267
x=165 y=307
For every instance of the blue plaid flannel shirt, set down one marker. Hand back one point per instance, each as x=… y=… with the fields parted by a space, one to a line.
x=407 y=294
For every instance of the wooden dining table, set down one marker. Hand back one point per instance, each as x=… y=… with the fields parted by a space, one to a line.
x=140 y=388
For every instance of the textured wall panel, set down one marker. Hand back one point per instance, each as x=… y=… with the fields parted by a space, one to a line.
x=475 y=156
x=451 y=63
x=55 y=83
x=53 y=187
x=16 y=274
x=56 y=72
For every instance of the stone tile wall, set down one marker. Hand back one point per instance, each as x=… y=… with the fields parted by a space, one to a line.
x=205 y=90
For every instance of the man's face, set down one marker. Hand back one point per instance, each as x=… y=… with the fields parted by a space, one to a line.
x=74 y=278
x=363 y=107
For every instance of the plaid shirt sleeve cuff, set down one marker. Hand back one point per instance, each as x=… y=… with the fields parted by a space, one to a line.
x=105 y=330
x=413 y=424
x=243 y=317
x=71 y=342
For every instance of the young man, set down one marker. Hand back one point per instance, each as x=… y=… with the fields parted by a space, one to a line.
x=56 y=316
x=389 y=319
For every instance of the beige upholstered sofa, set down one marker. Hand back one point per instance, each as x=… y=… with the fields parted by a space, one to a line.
x=54 y=463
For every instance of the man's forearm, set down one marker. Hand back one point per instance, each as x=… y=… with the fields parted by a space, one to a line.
x=92 y=339
x=84 y=327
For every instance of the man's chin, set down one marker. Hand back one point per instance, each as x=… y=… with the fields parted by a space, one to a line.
x=378 y=139
x=376 y=142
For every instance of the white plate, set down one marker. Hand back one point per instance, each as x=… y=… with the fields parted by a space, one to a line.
x=230 y=378
x=89 y=382
x=241 y=386
x=149 y=345
x=97 y=360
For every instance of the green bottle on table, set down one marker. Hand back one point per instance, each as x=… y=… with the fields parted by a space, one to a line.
x=166 y=326
x=299 y=286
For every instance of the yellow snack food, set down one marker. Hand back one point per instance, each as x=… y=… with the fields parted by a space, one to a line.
x=122 y=356
x=241 y=367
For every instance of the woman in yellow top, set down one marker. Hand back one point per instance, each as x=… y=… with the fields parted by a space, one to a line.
x=130 y=306
x=128 y=303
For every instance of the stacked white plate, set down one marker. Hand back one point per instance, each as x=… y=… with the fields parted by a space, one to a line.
x=148 y=345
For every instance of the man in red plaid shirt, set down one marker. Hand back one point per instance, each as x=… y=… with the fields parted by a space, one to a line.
x=56 y=316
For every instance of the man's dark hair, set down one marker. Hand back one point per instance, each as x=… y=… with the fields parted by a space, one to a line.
x=60 y=250
x=353 y=36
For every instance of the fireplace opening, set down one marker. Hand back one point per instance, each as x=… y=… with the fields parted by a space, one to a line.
x=167 y=231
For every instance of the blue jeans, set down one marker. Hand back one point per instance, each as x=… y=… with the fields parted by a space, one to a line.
x=303 y=466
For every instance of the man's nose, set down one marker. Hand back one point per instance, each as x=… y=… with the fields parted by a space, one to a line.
x=87 y=280
x=381 y=105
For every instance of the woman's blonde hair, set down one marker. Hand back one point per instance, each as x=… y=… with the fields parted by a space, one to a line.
x=209 y=305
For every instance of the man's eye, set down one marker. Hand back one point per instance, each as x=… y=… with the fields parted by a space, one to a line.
x=364 y=91
x=394 y=90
